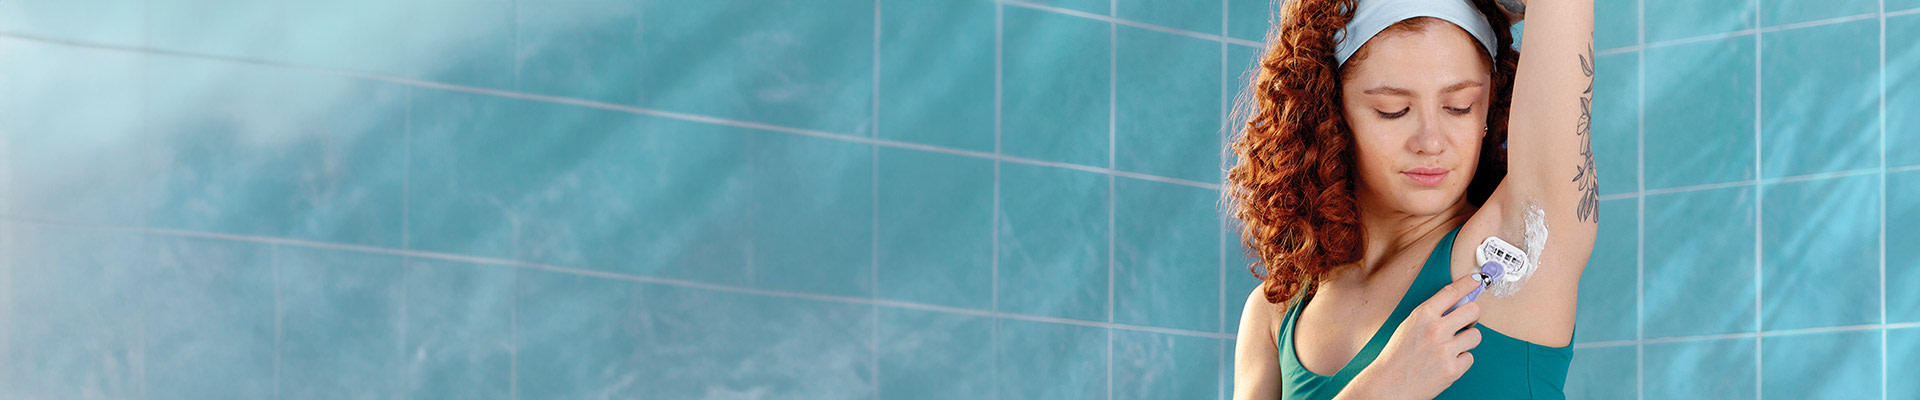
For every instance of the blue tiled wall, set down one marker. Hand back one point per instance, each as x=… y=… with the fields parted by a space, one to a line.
x=856 y=198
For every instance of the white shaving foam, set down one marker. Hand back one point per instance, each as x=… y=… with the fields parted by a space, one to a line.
x=1534 y=243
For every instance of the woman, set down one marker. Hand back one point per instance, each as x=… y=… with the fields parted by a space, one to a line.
x=1386 y=141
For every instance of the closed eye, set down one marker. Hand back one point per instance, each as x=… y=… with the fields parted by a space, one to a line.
x=1392 y=115
x=1459 y=111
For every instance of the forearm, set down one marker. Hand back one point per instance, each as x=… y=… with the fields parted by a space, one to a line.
x=1550 y=151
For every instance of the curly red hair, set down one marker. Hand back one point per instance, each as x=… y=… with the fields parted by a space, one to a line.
x=1293 y=186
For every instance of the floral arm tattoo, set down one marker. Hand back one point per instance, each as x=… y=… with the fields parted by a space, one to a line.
x=1584 y=175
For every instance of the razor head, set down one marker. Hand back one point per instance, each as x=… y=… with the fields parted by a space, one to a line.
x=1509 y=258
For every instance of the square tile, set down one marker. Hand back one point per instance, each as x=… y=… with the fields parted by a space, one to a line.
x=73 y=309
x=209 y=323
x=482 y=186
x=1820 y=253
x=1718 y=369
x=1167 y=105
x=1151 y=365
x=935 y=355
x=1165 y=241
x=1203 y=16
x=807 y=66
x=1837 y=64
x=340 y=323
x=262 y=151
x=1836 y=365
x=812 y=214
x=1609 y=292
x=77 y=149
x=1240 y=279
x=936 y=228
x=937 y=73
x=1700 y=263
x=1616 y=122
x=1669 y=20
x=1053 y=242
x=584 y=336
x=1603 y=373
x=1043 y=360
x=1700 y=113
x=459 y=330
x=1055 y=82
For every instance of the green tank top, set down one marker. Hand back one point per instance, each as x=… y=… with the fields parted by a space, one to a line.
x=1503 y=367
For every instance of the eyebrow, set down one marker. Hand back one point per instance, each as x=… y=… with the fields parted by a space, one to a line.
x=1395 y=91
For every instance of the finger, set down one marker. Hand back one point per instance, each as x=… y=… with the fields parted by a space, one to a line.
x=1465 y=362
x=1467 y=340
x=1461 y=317
x=1450 y=294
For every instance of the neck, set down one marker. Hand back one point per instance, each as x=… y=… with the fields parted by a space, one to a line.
x=1391 y=234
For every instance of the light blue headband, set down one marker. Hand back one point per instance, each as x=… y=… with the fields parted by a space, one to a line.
x=1374 y=16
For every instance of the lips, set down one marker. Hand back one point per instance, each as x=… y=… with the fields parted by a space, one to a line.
x=1426 y=176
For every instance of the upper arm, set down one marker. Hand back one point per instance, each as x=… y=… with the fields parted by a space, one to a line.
x=1550 y=157
x=1256 y=355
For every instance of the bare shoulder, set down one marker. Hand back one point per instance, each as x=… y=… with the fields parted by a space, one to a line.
x=1256 y=371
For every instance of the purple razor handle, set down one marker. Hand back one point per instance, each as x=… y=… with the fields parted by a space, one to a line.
x=1488 y=273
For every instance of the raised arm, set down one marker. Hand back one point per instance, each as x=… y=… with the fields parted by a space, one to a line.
x=1550 y=153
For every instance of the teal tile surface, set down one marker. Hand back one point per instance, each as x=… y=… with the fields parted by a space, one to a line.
x=1616 y=24
x=458 y=326
x=1832 y=223
x=1822 y=365
x=1609 y=285
x=1903 y=88
x=1666 y=20
x=937 y=73
x=76 y=331
x=1603 y=373
x=1616 y=122
x=1053 y=242
x=1167 y=105
x=1165 y=243
x=339 y=319
x=1834 y=63
x=1049 y=360
x=1700 y=113
x=1250 y=19
x=936 y=229
x=1700 y=263
x=208 y=326
x=1056 y=98
x=1782 y=12
x=1718 y=368
x=1148 y=365
x=1203 y=16
x=1900 y=344
x=1903 y=261
x=933 y=355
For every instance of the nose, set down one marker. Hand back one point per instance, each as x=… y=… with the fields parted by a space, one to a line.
x=1428 y=138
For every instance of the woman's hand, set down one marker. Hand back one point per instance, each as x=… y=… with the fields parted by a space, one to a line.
x=1427 y=352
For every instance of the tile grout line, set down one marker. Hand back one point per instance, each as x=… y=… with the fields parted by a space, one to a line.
x=999 y=34
x=1751 y=335
x=1883 y=196
x=1113 y=78
x=1759 y=204
x=873 y=275
x=1640 y=206
x=1220 y=222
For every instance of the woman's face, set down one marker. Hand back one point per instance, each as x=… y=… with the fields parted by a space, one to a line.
x=1417 y=104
